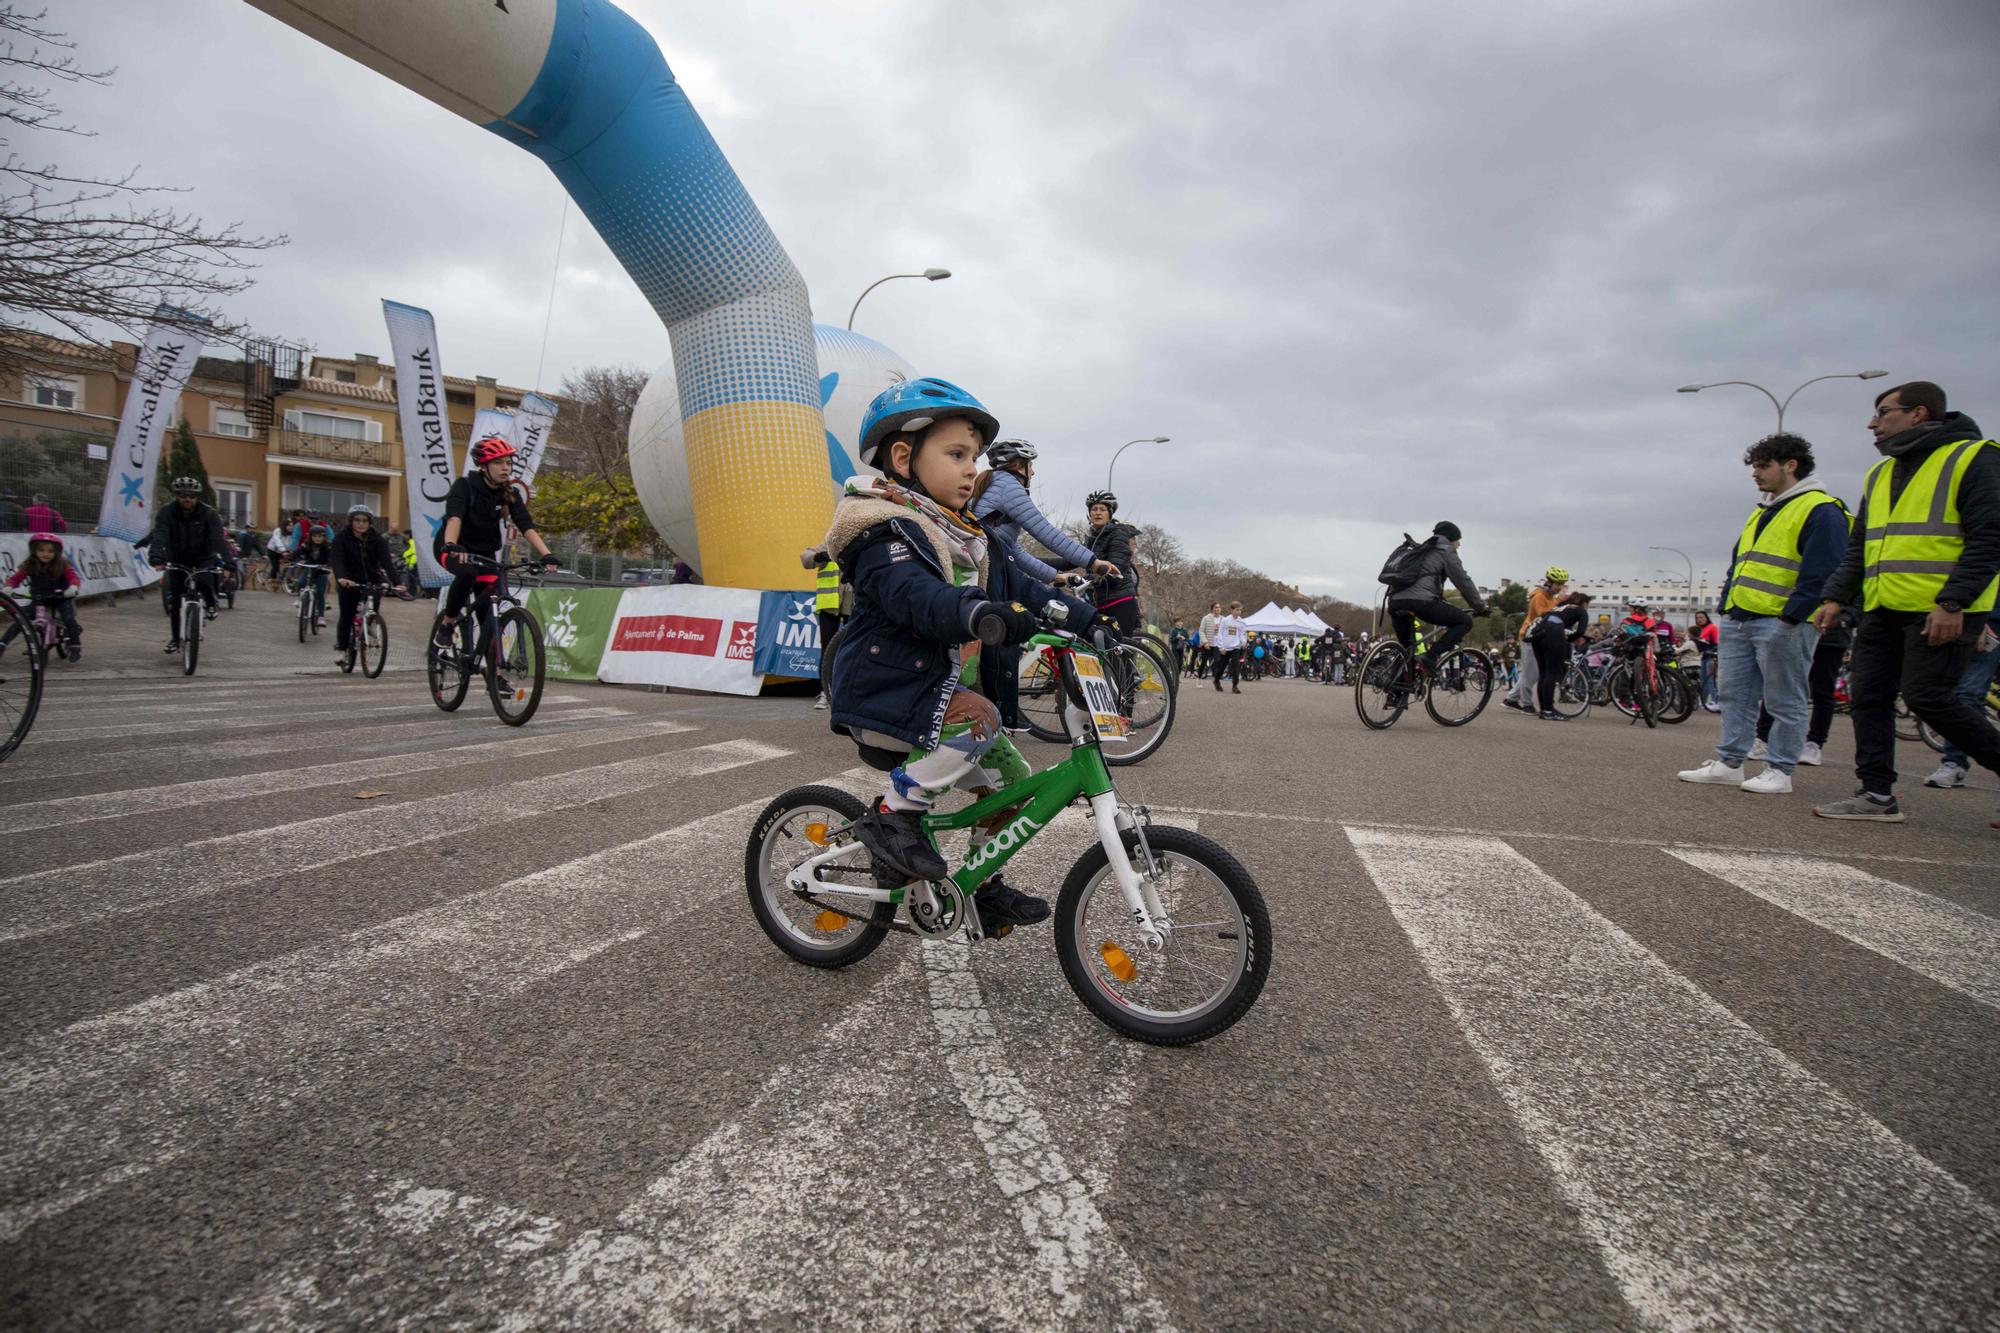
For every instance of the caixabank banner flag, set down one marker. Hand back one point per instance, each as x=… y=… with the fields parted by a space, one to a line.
x=427 y=464
x=533 y=425
x=787 y=636
x=693 y=637
x=576 y=624
x=173 y=345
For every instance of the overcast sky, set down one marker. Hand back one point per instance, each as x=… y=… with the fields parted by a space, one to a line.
x=1369 y=266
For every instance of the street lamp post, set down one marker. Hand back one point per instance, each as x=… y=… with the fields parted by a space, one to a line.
x=929 y=274
x=1690 y=578
x=1144 y=439
x=1852 y=375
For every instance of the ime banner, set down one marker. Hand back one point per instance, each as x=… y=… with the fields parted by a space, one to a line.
x=787 y=636
x=172 y=346
x=420 y=411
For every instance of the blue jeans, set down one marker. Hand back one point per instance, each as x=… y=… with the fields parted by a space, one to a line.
x=1764 y=660
x=1972 y=688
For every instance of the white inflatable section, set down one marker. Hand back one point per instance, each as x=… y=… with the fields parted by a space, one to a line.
x=852 y=369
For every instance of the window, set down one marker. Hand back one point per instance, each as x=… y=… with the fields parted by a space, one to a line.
x=333 y=423
x=232 y=500
x=343 y=377
x=327 y=501
x=63 y=391
x=230 y=421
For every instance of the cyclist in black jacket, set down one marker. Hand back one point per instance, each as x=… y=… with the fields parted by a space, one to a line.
x=1117 y=597
x=189 y=533
x=360 y=558
x=475 y=510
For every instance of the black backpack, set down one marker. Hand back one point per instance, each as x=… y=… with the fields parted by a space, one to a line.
x=1402 y=568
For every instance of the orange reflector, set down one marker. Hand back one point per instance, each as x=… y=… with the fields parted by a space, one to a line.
x=816 y=834
x=1118 y=962
x=829 y=921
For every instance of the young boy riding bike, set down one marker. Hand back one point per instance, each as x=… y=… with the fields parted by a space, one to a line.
x=908 y=672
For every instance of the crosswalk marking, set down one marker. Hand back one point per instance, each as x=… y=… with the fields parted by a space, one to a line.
x=58 y=899
x=114 y=1097
x=1952 y=945
x=1723 y=1184
x=201 y=725
x=23 y=816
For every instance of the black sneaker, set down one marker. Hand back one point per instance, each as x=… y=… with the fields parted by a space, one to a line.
x=1553 y=716
x=173 y=646
x=896 y=839
x=503 y=686
x=1001 y=904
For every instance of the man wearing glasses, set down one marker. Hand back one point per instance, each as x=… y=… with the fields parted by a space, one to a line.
x=1923 y=558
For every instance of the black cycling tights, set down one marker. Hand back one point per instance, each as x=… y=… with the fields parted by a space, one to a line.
x=1455 y=623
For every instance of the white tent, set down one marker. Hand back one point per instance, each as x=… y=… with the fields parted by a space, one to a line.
x=1273 y=619
x=1314 y=625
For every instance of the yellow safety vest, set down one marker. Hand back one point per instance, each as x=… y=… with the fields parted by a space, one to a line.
x=826 y=597
x=1914 y=543
x=1766 y=572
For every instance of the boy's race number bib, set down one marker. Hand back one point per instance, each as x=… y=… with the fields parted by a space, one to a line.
x=1104 y=715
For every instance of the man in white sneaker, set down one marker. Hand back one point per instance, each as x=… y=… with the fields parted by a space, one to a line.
x=1789 y=546
x=1972 y=687
x=1230 y=636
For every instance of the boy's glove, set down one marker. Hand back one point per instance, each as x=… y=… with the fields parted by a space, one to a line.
x=997 y=622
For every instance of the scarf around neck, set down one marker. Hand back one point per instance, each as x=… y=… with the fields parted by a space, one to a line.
x=963 y=537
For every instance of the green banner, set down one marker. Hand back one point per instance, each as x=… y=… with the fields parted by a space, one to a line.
x=575 y=624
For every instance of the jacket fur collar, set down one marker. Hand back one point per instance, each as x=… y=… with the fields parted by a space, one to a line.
x=856 y=514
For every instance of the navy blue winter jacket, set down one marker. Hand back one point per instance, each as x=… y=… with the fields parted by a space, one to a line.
x=892 y=669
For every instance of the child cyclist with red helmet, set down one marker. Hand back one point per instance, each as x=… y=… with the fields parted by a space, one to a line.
x=908 y=675
x=474 y=510
x=50 y=578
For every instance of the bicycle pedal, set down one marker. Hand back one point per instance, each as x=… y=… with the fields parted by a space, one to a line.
x=1000 y=932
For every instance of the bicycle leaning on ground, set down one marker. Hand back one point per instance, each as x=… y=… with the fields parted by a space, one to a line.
x=506 y=648
x=1161 y=933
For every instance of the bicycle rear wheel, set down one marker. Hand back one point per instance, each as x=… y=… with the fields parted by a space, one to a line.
x=1572 y=697
x=1461 y=684
x=1213 y=965
x=1676 y=698
x=837 y=930
x=1038 y=698
x=1906 y=722
x=449 y=670
x=1381 y=692
x=375 y=646
x=21 y=667
x=514 y=671
x=1149 y=697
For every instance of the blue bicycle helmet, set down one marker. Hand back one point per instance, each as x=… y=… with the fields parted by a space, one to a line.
x=915 y=404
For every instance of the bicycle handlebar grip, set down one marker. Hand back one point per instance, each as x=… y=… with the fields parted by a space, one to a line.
x=990 y=627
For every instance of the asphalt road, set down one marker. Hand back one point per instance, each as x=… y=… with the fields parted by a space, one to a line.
x=1550 y=1039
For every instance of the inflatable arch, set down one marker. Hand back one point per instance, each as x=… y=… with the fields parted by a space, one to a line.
x=581 y=85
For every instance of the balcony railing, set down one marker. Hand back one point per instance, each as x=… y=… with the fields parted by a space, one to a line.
x=336 y=449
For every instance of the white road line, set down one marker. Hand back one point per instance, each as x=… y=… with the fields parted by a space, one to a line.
x=1542 y=835
x=1071 y=1244
x=1952 y=945
x=70 y=810
x=202 y=725
x=58 y=899
x=1723 y=1185
x=109 y=1098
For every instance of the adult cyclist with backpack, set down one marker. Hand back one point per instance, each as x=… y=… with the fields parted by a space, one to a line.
x=1415 y=576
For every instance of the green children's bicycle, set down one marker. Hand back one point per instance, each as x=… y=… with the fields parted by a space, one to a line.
x=1160 y=931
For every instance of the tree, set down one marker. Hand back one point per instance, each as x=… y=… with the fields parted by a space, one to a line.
x=603 y=512
x=80 y=252
x=592 y=434
x=1512 y=597
x=183 y=460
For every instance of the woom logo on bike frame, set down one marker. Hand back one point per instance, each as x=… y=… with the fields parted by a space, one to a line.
x=1006 y=840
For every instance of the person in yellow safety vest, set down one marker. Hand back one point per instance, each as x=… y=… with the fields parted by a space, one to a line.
x=1788 y=547
x=1923 y=560
x=826 y=605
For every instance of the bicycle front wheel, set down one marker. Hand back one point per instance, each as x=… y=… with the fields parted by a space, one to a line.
x=449 y=670
x=514 y=671
x=1039 y=699
x=1573 y=694
x=1381 y=690
x=1461 y=684
x=1644 y=698
x=374 y=646
x=1676 y=698
x=305 y=617
x=190 y=632
x=1213 y=964
x=21 y=666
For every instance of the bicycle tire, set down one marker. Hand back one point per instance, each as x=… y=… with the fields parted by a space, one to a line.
x=1645 y=700
x=305 y=618
x=1380 y=675
x=517 y=653
x=1676 y=699
x=190 y=633
x=766 y=897
x=1906 y=722
x=1149 y=734
x=352 y=654
x=375 y=647
x=1158 y=647
x=1116 y=1010
x=449 y=677
x=1472 y=668
x=1929 y=736
x=30 y=702
x=1572 y=696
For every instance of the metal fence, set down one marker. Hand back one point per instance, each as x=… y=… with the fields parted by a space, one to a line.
x=39 y=459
